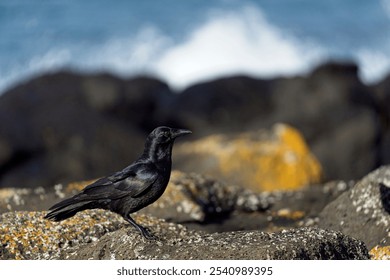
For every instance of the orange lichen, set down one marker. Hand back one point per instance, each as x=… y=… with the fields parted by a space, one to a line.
x=26 y=235
x=289 y=214
x=380 y=253
x=280 y=160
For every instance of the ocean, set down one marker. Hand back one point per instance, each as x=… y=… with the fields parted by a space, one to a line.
x=185 y=42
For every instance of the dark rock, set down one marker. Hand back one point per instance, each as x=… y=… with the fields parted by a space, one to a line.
x=382 y=94
x=223 y=105
x=64 y=127
x=337 y=114
x=363 y=211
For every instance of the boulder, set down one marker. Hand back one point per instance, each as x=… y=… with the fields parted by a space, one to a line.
x=64 y=126
x=223 y=105
x=362 y=212
x=382 y=94
x=262 y=161
x=331 y=107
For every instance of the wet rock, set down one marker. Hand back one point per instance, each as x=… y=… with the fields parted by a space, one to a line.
x=363 y=211
x=263 y=160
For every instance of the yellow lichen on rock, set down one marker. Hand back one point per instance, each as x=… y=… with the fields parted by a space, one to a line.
x=380 y=253
x=280 y=160
x=26 y=235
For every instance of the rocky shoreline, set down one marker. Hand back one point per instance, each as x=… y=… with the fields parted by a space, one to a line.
x=200 y=218
x=284 y=168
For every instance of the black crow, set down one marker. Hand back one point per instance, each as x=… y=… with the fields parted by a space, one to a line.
x=131 y=189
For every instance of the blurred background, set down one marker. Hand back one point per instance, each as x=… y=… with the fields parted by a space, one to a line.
x=83 y=82
x=183 y=42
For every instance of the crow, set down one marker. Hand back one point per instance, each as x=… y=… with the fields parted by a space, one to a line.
x=131 y=189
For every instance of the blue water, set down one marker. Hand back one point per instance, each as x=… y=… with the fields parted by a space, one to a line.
x=184 y=42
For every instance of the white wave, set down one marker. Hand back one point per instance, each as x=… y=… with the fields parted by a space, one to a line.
x=374 y=65
x=237 y=42
x=241 y=42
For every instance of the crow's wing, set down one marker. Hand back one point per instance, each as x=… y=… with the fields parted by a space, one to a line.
x=131 y=181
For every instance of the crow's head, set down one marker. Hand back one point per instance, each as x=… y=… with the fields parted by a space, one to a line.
x=163 y=134
x=158 y=145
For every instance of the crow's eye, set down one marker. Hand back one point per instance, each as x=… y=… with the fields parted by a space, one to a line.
x=166 y=134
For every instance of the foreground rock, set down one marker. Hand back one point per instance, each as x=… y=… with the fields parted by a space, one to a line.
x=98 y=235
x=26 y=235
x=278 y=159
x=203 y=203
x=364 y=211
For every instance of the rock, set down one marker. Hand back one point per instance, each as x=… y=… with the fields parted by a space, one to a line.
x=276 y=160
x=188 y=198
x=178 y=243
x=203 y=203
x=380 y=253
x=26 y=235
x=336 y=113
x=192 y=197
x=64 y=127
x=363 y=212
x=382 y=94
x=97 y=234
x=223 y=105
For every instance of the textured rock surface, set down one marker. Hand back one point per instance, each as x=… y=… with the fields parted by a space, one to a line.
x=364 y=211
x=203 y=203
x=177 y=243
x=26 y=235
x=96 y=234
x=265 y=160
x=380 y=253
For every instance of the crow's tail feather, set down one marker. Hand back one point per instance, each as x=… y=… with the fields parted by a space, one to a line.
x=66 y=209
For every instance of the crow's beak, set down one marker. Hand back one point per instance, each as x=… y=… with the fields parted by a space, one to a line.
x=179 y=132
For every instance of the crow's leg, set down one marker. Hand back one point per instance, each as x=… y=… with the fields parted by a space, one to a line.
x=141 y=229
